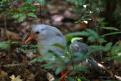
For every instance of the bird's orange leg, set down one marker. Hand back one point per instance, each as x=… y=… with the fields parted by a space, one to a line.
x=63 y=75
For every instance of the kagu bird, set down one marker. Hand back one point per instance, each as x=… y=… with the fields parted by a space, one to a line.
x=47 y=36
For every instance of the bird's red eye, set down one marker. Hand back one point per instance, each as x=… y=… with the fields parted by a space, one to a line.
x=37 y=32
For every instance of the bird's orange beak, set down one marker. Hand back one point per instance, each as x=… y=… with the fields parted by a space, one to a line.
x=29 y=38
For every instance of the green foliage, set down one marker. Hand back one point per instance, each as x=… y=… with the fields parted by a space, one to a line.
x=20 y=10
x=5 y=45
x=27 y=48
x=115 y=52
x=91 y=35
x=100 y=48
x=4 y=5
x=21 y=13
x=98 y=43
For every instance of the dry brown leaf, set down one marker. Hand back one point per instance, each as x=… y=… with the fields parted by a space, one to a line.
x=12 y=35
x=3 y=74
x=6 y=34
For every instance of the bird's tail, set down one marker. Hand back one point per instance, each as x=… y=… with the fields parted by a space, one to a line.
x=93 y=64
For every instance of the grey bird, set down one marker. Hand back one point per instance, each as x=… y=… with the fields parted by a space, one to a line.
x=47 y=38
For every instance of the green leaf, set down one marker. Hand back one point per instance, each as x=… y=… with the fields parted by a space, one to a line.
x=21 y=18
x=48 y=66
x=112 y=33
x=91 y=39
x=92 y=33
x=16 y=15
x=108 y=46
x=38 y=59
x=5 y=45
x=115 y=53
x=110 y=28
x=31 y=15
x=96 y=48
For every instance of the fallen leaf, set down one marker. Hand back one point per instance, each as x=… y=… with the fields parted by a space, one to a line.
x=3 y=74
x=50 y=77
x=13 y=78
x=6 y=34
x=12 y=35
